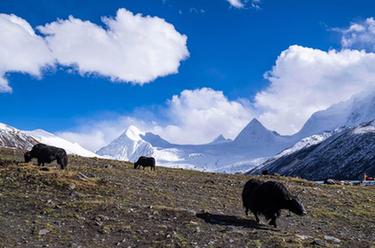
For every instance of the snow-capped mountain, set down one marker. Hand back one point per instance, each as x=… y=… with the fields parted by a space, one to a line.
x=128 y=146
x=358 y=109
x=224 y=155
x=346 y=154
x=24 y=140
x=14 y=138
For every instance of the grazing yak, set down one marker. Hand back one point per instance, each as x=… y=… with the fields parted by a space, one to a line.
x=47 y=154
x=268 y=198
x=145 y=162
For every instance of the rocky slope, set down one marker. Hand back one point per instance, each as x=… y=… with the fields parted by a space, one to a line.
x=106 y=203
x=12 y=137
x=348 y=154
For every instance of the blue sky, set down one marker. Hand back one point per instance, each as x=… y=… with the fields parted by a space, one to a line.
x=229 y=48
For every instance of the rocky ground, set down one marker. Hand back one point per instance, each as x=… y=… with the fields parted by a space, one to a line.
x=104 y=203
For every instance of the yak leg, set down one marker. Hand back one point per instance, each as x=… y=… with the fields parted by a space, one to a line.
x=40 y=163
x=61 y=163
x=256 y=217
x=273 y=220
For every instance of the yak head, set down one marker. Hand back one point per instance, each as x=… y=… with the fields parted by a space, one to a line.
x=135 y=165
x=27 y=157
x=295 y=206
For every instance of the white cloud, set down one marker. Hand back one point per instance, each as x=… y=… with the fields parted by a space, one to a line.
x=359 y=35
x=131 y=47
x=239 y=4
x=21 y=50
x=194 y=117
x=198 y=116
x=236 y=3
x=305 y=80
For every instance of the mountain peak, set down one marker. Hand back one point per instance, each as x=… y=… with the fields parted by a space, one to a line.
x=254 y=131
x=219 y=139
x=255 y=123
x=133 y=133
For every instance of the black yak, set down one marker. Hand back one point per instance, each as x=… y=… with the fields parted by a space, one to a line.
x=47 y=154
x=268 y=198
x=145 y=162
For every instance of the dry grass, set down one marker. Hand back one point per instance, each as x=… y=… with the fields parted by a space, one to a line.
x=103 y=203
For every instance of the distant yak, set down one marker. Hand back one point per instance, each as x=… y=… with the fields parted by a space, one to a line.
x=268 y=198
x=47 y=154
x=145 y=162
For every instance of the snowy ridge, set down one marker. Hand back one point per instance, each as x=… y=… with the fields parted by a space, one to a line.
x=12 y=137
x=358 y=109
x=345 y=155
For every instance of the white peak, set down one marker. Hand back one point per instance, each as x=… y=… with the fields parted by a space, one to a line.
x=254 y=129
x=133 y=133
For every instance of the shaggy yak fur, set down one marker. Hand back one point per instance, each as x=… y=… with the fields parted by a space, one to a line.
x=268 y=198
x=47 y=154
x=145 y=162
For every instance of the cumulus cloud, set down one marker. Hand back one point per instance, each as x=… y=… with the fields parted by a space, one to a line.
x=305 y=80
x=359 y=35
x=198 y=116
x=21 y=50
x=192 y=117
x=130 y=48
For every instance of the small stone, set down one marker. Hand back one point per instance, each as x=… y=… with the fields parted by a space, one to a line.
x=317 y=242
x=302 y=237
x=332 y=239
x=43 y=232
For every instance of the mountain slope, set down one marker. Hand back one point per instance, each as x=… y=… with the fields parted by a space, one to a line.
x=25 y=140
x=345 y=155
x=12 y=137
x=359 y=109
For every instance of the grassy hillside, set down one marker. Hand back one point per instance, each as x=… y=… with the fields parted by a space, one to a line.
x=103 y=203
